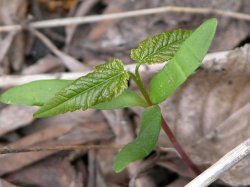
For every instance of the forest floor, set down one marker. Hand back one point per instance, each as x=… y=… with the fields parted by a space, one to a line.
x=214 y=99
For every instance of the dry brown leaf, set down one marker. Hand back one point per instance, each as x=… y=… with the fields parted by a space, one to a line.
x=83 y=134
x=125 y=34
x=54 y=5
x=124 y=132
x=54 y=171
x=210 y=113
x=13 y=117
x=43 y=65
x=4 y=183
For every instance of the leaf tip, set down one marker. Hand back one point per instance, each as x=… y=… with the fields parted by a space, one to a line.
x=36 y=115
x=40 y=114
x=213 y=22
x=4 y=98
x=118 y=166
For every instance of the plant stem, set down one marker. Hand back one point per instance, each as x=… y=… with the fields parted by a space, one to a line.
x=141 y=87
x=137 y=78
x=179 y=148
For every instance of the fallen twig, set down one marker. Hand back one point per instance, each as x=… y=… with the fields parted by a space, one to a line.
x=135 y=13
x=8 y=150
x=68 y=61
x=15 y=80
x=222 y=165
x=5 y=44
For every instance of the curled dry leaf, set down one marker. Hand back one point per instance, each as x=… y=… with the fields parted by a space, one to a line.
x=210 y=113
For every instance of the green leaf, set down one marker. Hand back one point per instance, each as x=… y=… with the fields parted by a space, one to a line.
x=145 y=141
x=35 y=93
x=127 y=99
x=106 y=82
x=159 y=48
x=184 y=63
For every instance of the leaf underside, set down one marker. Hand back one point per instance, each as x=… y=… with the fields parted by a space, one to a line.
x=184 y=63
x=145 y=141
x=106 y=82
x=35 y=93
x=159 y=48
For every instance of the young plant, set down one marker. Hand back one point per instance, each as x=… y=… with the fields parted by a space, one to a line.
x=107 y=88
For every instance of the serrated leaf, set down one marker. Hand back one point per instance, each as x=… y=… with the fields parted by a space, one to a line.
x=159 y=48
x=145 y=141
x=127 y=99
x=106 y=82
x=35 y=93
x=38 y=93
x=184 y=63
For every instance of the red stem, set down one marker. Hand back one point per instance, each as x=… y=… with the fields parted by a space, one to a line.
x=136 y=77
x=179 y=148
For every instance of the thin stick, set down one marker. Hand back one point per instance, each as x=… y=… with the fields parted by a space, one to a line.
x=8 y=150
x=122 y=15
x=5 y=45
x=222 y=165
x=69 y=62
x=15 y=80
x=84 y=7
x=179 y=148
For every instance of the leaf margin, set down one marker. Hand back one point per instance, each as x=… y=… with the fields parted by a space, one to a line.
x=18 y=95
x=158 y=91
x=124 y=156
x=154 y=45
x=45 y=111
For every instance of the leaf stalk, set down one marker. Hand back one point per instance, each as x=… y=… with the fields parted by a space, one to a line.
x=179 y=148
x=136 y=77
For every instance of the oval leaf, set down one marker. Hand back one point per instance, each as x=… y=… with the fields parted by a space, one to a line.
x=106 y=82
x=185 y=62
x=127 y=99
x=159 y=48
x=145 y=141
x=35 y=93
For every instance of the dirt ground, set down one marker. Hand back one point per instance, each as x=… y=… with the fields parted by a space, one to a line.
x=214 y=99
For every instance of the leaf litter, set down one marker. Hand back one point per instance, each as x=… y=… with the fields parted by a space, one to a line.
x=210 y=113
x=191 y=130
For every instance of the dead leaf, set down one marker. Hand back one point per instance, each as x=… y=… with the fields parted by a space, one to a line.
x=54 y=171
x=13 y=117
x=65 y=131
x=209 y=114
x=43 y=65
x=54 y=5
x=4 y=183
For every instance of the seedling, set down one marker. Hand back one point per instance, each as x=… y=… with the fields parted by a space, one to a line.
x=107 y=88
